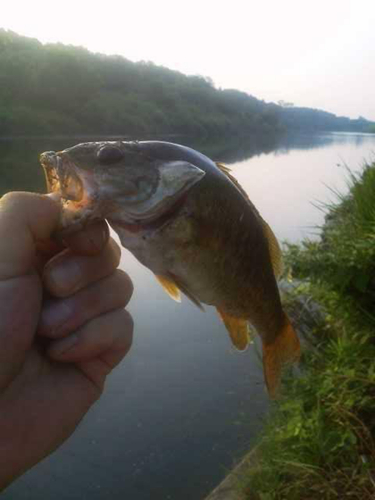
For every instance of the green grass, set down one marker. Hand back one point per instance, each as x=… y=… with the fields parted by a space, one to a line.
x=345 y=257
x=318 y=442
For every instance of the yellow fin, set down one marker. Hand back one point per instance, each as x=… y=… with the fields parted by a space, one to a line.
x=273 y=245
x=285 y=349
x=238 y=329
x=170 y=287
x=227 y=172
x=181 y=285
x=274 y=249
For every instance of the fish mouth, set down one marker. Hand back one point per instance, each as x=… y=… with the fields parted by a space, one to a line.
x=77 y=193
x=60 y=178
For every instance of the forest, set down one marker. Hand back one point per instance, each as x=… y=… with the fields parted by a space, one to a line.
x=55 y=89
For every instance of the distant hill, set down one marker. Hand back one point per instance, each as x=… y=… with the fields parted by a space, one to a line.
x=295 y=118
x=58 y=89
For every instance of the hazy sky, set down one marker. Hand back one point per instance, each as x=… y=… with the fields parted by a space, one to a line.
x=316 y=53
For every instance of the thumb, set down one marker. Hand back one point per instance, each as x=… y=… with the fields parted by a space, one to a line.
x=25 y=218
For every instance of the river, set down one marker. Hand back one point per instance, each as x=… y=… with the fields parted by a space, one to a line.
x=183 y=406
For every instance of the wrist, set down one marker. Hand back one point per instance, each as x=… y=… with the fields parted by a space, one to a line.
x=12 y=453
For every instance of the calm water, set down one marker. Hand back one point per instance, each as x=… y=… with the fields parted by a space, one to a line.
x=183 y=405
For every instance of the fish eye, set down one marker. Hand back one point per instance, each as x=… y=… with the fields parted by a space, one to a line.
x=109 y=154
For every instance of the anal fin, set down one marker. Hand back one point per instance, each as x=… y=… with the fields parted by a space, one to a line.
x=238 y=329
x=170 y=287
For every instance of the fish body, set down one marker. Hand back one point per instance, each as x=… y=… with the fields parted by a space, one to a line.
x=190 y=222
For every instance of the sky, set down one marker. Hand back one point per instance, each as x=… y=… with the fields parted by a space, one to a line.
x=319 y=54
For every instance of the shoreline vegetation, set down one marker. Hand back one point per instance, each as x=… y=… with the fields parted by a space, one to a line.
x=319 y=439
x=55 y=89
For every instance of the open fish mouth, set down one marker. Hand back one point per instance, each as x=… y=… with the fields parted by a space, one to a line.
x=60 y=178
x=78 y=193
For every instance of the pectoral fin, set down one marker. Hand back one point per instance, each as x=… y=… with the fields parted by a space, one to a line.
x=238 y=329
x=174 y=286
x=184 y=289
x=170 y=287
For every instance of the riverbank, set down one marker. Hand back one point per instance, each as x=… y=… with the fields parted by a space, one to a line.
x=319 y=438
x=318 y=441
x=228 y=488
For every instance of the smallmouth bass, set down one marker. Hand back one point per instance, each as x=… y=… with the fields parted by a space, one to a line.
x=191 y=223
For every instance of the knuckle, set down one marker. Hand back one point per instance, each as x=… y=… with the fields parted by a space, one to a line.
x=124 y=283
x=115 y=252
x=12 y=198
x=90 y=302
x=129 y=325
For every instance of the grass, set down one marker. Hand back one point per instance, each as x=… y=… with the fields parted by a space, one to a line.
x=319 y=440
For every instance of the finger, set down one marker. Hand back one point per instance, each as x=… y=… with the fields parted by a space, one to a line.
x=61 y=317
x=89 y=241
x=45 y=250
x=98 y=346
x=24 y=219
x=67 y=273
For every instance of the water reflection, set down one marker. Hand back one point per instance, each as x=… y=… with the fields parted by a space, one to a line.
x=20 y=169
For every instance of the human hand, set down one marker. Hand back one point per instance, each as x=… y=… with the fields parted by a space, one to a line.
x=62 y=328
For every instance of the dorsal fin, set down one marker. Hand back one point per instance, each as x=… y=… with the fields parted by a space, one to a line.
x=227 y=171
x=238 y=329
x=273 y=245
x=170 y=287
x=274 y=249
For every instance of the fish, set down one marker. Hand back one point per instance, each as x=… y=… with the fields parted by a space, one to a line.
x=188 y=220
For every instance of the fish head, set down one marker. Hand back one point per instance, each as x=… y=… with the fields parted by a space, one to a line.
x=118 y=181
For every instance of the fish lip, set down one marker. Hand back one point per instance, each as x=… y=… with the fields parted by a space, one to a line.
x=48 y=160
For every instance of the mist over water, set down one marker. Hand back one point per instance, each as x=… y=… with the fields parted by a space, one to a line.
x=183 y=405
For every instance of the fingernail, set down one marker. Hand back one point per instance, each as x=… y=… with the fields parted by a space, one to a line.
x=66 y=276
x=63 y=346
x=99 y=240
x=105 y=233
x=53 y=317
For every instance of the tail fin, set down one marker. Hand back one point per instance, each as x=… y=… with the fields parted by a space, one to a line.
x=285 y=349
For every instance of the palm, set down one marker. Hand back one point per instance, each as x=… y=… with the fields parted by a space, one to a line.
x=44 y=404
